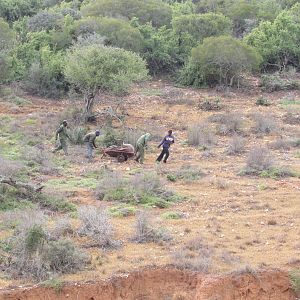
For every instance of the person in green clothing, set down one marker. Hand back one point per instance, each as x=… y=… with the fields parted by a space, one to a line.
x=62 y=135
x=89 y=140
x=141 y=144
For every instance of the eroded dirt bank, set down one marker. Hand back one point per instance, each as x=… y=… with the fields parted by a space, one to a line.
x=167 y=284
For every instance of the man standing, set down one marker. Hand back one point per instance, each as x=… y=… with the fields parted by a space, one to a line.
x=62 y=134
x=166 y=143
x=141 y=144
x=89 y=140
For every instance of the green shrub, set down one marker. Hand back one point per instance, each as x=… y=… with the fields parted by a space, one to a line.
x=219 y=61
x=274 y=82
x=122 y=211
x=187 y=173
x=295 y=279
x=201 y=26
x=144 y=188
x=172 y=215
x=155 y=11
x=262 y=102
x=55 y=203
x=77 y=134
x=64 y=257
x=45 y=77
x=35 y=237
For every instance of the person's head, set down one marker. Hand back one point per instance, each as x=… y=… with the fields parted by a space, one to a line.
x=65 y=123
x=97 y=132
x=148 y=135
x=170 y=132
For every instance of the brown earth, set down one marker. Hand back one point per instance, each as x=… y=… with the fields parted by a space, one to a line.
x=254 y=219
x=167 y=283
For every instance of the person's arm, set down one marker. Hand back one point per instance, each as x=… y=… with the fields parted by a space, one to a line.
x=57 y=132
x=67 y=135
x=163 y=140
x=93 y=141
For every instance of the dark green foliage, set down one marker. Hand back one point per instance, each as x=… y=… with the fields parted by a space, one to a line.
x=64 y=257
x=13 y=10
x=45 y=76
x=276 y=82
x=219 y=60
x=34 y=238
x=154 y=11
x=262 y=102
x=162 y=49
x=202 y=26
x=115 y=32
x=77 y=134
x=44 y=20
x=278 y=41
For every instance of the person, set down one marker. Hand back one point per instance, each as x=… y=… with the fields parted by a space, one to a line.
x=89 y=140
x=141 y=144
x=166 y=143
x=62 y=135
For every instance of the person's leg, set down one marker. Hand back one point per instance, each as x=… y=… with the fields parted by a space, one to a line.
x=89 y=151
x=64 y=146
x=137 y=153
x=167 y=153
x=142 y=155
x=160 y=157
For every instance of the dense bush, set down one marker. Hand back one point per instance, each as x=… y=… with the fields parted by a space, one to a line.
x=155 y=11
x=275 y=82
x=277 y=42
x=45 y=76
x=219 y=60
x=201 y=26
x=115 y=32
x=44 y=20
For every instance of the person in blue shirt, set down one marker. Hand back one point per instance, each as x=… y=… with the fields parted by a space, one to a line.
x=166 y=143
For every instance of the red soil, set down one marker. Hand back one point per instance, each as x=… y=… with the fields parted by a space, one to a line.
x=167 y=283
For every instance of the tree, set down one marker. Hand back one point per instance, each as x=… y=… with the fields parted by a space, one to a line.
x=117 y=33
x=6 y=41
x=13 y=10
x=161 y=48
x=45 y=20
x=200 y=26
x=94 y=68
x=278 y=42
x=219 y=60
x=155 y=11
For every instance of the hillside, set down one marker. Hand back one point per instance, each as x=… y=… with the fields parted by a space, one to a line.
x=222 y=219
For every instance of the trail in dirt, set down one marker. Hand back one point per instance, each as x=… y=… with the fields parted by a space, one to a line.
x=167 y=283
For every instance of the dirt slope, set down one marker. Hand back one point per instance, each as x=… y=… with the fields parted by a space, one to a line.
x=167 y=283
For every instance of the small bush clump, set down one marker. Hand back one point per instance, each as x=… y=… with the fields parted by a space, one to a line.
x=145 y=231
x=295 y=279
x=196 y=255
x=200 y=134
x=228 y=123
x=172 y=215
x=143 y=188
x=259 y=159
x=77 y=134
x=210 y=104
x=236 y=145
x=95 y=223
x=265 y=124
x=34 y=254
x=187 y=173
x=262 y=102
x=274 y=82
x=122 y=211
